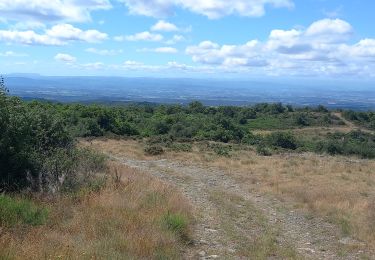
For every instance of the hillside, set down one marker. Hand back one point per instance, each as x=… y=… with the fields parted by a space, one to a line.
x=289 y=205
x=171 y=182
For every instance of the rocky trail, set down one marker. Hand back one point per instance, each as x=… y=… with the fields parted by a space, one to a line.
x=235 y=222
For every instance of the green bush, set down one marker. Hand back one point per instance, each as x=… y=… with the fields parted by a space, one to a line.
x=284 y=140
x=223 y=151
x=252 y=139
x=20 y=212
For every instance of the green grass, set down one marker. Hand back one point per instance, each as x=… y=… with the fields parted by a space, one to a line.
x=14 y=211
x=269 y=123
x=177 y=223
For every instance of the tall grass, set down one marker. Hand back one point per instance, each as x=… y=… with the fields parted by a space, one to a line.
x=15 y=211
x=125 y=220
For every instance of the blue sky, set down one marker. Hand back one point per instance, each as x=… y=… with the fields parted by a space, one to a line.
x=262 y=39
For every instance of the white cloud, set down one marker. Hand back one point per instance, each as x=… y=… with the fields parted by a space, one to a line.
x=363 y=49
x=142 y=36
x=63 y=57
x=28 y=37
x=164 y=26
x=329 y=30
x=175 y=39
x=67 y=32
x=136 y=65
x=59 y=34
x=12 y=54
x=160 y=50
x=104 y=52
x=177 y=65
x=211 y=9
x=51 y=10
x=294 y=52
x=211 y=53
x=93 y=66
x=133 y=63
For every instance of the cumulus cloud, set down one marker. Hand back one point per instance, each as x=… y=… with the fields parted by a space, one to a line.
x=211 y=53
x=67 y=32
x=51 y=10
x=365 y=48
x=328 y=30
x=59 y=34
x=164 y=26
x=142 y=36
x=63 y=57
x=211 y=9
x=321 y=48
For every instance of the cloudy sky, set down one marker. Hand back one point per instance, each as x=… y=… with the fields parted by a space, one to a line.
x=332 y=39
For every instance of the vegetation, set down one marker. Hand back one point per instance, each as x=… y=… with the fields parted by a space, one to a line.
x=175 y=126
x=338 y=189
x=366 y=119
x=20 y=211
x=52 y=183
x=126 y=219
x=64 y=201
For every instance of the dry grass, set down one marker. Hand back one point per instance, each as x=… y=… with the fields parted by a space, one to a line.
x=339 y=188
x=126 y=220
x=255 y=240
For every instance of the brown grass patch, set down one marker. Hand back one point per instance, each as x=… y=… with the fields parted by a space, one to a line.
x=124 y=220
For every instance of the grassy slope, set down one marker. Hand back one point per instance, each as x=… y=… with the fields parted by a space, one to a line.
x=134 y=217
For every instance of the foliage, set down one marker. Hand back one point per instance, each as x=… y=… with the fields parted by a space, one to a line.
x=352 y=143
x=366 y=119
x=284 y=140
x=20 y=211
x=37 y=149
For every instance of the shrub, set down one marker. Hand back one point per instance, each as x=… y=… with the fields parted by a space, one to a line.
x=180 y=147
x=220 y=149
x=302 y=120
x=83 y=174
x=283 y=140
x=20 y=211
x=154 y=150
x=334 y=148
x=264 y=151
x=252 y=139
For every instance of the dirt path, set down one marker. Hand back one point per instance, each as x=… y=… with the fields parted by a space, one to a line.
x=351 y=124
x=234 y=222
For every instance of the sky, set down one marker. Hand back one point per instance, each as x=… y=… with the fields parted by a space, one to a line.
x=244 y=39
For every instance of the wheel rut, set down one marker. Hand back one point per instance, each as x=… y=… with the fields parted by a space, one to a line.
x=227 y=224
